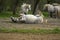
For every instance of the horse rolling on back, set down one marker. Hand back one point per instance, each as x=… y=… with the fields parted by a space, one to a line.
x=28 y=19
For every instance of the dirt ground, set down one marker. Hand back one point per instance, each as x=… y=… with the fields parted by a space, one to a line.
x=19 y=36
x=52 y=23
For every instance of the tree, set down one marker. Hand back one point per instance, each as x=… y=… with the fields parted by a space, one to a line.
x=15 y=6
x=35 y=5
x=1 y=5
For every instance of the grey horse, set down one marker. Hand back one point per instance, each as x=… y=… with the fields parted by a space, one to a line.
x=53 y=10
x=50 y=9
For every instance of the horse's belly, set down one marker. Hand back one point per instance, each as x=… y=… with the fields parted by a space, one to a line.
x=31 y=19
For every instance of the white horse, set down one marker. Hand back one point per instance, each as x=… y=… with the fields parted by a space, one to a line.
x=25 y=8
x=28 y=19
x=49 y=8
x=53 y=10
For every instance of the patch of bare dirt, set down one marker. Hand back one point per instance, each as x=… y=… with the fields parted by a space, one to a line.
x=52 y=23
x=19 y=36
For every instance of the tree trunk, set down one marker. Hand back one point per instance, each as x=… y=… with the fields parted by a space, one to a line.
x=35 y=6
x=48 y=1
x=15 y=6
x=1 y=6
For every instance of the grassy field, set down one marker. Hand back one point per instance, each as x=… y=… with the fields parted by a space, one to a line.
x=34 y=31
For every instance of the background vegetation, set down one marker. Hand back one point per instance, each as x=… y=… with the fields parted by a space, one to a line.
x=12 y=7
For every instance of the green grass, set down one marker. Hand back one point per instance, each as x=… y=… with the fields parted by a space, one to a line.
x=33 y=31
x=45 y=14
x=7 y=14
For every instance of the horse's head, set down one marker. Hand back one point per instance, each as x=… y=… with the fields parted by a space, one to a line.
x=45 y=8
x=25 y=7
x=28 y=6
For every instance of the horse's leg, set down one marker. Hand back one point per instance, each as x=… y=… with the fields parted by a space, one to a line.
x=13 y=19
x=50 y=14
